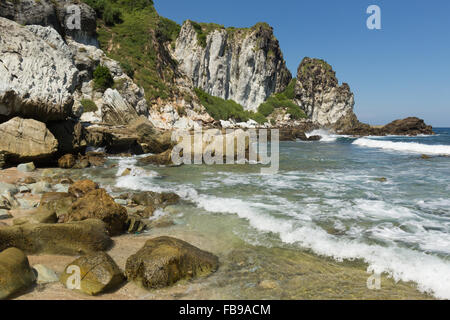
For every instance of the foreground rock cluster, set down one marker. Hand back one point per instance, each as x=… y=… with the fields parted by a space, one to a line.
x=82 y=220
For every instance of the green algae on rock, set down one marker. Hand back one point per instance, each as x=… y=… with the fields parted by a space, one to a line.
x=164 y=261
x=98 y=273
x=15 y=272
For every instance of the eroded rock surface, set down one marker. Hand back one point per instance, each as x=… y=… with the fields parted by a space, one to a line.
x=63 y=238
x=244 y=65
x=319 y=94
x=25 y=140
x=39 y=88
x=98 y=271
x=163 y=261
x=15 y=272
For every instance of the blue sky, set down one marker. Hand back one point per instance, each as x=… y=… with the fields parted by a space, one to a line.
x=401 y=70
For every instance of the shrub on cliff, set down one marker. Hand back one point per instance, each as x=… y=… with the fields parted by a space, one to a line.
x=138 y=41
x=102 y=78
x=88 y=105
x=221 y=109
x=283 y=100
x=112 y=15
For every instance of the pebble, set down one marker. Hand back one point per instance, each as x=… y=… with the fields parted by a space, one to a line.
x=122 y=202
x=268 y=284
x=45 y=275
x=26 y=167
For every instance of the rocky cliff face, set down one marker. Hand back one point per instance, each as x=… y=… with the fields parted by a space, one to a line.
x=37 y=78
x=319 y=94
x=53 y=13
x=244 y=65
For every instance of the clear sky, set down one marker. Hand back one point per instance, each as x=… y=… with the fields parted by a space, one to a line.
x=401 y=70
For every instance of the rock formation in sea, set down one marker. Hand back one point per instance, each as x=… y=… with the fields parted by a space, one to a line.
x=244 y=65
x=318 y=93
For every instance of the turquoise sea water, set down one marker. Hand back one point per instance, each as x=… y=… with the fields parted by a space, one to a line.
x=374 y=199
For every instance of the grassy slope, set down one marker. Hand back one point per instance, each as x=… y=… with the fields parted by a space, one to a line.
x=136 y=39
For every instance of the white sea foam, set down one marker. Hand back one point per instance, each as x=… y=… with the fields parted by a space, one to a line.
x=326 y=135
x=409 y=147
x=402 y=230
x=431 y=273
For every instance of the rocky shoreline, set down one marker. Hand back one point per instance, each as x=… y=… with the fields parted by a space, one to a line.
x=56 y=216
x=44 y=249
x=65 y=102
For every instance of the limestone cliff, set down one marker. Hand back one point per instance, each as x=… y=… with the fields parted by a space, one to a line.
x=37 y=77
x=244 y=65
x=53 y=13
x=319 y=94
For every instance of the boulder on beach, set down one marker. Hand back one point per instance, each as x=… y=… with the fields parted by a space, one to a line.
x=82 y=187
x=154 y=200
x=26 y=140
x=71 y=239
x=59 y=202
x=39 y=215
x=97 y=204
x=16 y=275
x=164 y=260
x=98 y=274
x=26 y=167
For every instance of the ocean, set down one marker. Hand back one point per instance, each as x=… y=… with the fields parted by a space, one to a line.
x=373 y=200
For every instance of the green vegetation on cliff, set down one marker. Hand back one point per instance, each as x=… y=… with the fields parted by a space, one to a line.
x=89 y=105
x=102 y=78
x=283 y=100
x=307 y=67
x=204 y=29
x=221 y=109
x=132 y=32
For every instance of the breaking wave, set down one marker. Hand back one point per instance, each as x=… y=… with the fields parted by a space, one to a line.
x=412 y=147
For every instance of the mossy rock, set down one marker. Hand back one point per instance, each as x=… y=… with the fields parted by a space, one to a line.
x=16 y=275
x=155 y=199
x=164 y=261
x=98 y=273
x=82 y=187
x=59 y=202
x=62 y=238
x=40 y=215
x=97 y=204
